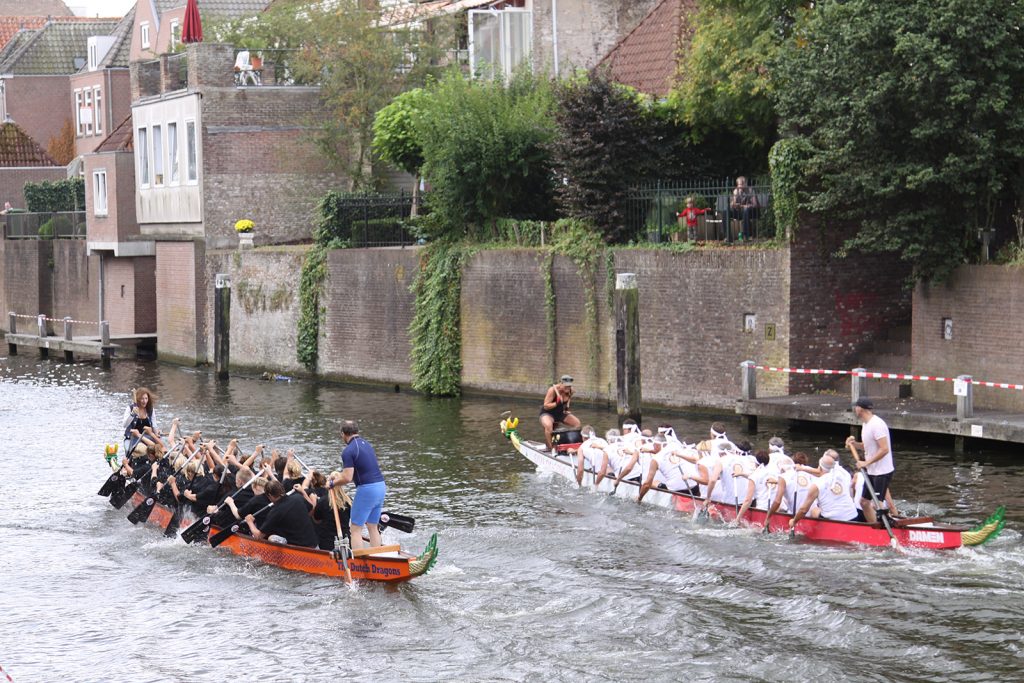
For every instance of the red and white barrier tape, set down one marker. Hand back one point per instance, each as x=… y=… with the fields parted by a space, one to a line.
x=56 y=320
x=886 y=375
x=6 y=675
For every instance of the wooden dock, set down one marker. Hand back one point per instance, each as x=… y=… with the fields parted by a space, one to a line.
x=961 y=420
x=102 y=344
x=907 y=414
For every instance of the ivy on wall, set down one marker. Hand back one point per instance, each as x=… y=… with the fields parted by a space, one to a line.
x=311 y=287
x=787 y=160
x=435 y=332
x=59 y=195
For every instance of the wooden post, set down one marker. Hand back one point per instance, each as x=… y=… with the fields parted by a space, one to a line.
x=856 y=392
x=222 y=324
x=69 y=356
x=748 y=383
x=41 y=332
x=12 y=328
x=627 y=346
x=106 y=350
x=964 y=390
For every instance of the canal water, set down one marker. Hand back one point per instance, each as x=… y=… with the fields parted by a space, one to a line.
x=536 y=579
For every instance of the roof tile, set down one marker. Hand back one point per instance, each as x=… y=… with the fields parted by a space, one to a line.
x=18 y=149
x=648 y=57
x=53 y=48
x=120 y=139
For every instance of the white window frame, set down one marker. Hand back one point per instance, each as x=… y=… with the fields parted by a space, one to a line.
x=97 y=112
x=142 y=145
x=505 y=69
x=79 y=128
x=174 y=27
x=144 y=34
x=173 y=155
x=157 y=132
x=99 y=193
x=192 y=152
x=87 y=104
x=93 y=60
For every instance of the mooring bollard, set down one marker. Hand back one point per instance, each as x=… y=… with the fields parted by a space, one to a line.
x=964 y=390
x=748 y=382
x=12 y=328
x=106 y=350
x=222 y=324
x=627 y=346
x=69 y=355
x=41 y=332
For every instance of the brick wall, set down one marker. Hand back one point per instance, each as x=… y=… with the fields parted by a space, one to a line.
x=120 y=222
x=26 y=277
x=839 y=305
x=264 y=306
x=39 y=105
x=368 y=310
x=75 y=288
x=180 y=304
x=259 y=162
x=12 y=182
x=129 y=298
x=587 y=29
x=986 y=304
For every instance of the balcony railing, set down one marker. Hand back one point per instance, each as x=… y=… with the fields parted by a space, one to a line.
x=45 y=226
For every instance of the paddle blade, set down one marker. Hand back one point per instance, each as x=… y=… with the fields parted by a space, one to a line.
x=172 y=526
x=114 y=482
x=141 y=513
x=397 y=521
x=223 y=535
x=119 y=498
x=196 y=530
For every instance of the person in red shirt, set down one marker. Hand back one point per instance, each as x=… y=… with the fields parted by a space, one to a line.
x=689 y=214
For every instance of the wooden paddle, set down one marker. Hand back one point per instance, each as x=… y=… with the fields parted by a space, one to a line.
x=874 y=498
x=142 y=512
x=225 y=534
x=201 y=526
x=341 y=544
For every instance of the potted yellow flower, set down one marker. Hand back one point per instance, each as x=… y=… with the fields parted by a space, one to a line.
x=244 y=228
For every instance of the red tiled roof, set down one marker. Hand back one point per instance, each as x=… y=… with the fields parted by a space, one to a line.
x=18 y=149
x=53 y=8
x=9 y=25
x=647 y=58
x=120 y=139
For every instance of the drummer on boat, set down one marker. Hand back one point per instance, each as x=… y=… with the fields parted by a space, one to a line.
x=555 y=410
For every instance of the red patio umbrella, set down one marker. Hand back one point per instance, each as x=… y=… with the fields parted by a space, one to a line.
x=192 y=28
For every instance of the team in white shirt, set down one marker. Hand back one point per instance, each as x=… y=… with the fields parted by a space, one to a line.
x=723 y=472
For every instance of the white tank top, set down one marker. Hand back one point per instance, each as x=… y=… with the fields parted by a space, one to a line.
x=592 y=451
x=797 y=484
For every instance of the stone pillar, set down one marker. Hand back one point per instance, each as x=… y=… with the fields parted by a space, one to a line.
x=12 y=328
x=69 y=356
x=748 y=382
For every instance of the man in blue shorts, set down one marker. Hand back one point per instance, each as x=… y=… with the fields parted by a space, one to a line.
x=359 y=463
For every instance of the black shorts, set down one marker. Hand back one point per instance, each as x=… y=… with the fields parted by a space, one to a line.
x=879 y=482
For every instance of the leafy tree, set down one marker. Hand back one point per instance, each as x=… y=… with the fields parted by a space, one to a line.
x=609 y=139
x=361 y=55
x=910 y=116
x=61 y=147
x=485 y=150
x=726 y=83
x=394 y=131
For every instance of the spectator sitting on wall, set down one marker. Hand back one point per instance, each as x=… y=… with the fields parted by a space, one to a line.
x=743 y=206
x=689 y=214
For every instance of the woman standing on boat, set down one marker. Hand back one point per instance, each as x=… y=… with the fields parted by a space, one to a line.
x=359 y=465
x=556 y=408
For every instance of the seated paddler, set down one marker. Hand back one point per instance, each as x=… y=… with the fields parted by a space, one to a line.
x=555 y=410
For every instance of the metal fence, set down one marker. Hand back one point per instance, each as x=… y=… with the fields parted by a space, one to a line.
x=372 y=219
x=45 y=226
x=653 y=211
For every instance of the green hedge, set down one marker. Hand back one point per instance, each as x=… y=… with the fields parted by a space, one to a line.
x=61 y=195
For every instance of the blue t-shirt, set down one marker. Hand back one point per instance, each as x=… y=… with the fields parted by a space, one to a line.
x=360 y=456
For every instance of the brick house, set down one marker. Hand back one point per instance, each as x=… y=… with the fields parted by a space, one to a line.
x=208 y=152
x=35 y=69
x=101 y=90
x=22 y=160
x=127 y=262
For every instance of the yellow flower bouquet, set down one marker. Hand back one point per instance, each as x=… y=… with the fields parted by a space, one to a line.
x=244 y=225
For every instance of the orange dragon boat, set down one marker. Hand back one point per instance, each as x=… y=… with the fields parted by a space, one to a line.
x=387 y=563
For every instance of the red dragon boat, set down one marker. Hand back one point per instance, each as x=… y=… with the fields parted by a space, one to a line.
x=920 y=532
x=388 y=563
